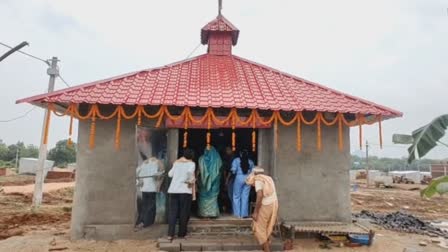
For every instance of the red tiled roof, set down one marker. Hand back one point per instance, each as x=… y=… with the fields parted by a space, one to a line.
x=219 y=24
x=215 y=81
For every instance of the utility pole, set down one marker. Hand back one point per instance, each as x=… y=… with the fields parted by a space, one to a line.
x=367 y=164
x=17 y=158
x=53 y=72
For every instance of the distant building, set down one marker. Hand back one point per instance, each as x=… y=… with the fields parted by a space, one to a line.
x=29 y=166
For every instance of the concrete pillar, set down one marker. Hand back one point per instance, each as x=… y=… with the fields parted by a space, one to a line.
x=105 y=181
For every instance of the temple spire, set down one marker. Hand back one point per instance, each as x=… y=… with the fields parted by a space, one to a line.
x=219 y=7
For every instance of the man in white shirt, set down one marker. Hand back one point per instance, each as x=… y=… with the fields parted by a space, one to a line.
x=180 y=193
x=149 y=175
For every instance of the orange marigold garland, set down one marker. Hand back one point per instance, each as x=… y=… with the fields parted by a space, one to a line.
x=92 y=133
x=234 y=115
x=254 y=133
x=340 y=133
x=186 y=130
x=70 y=129
x=319 y=131
x=276 y=133
x=118 y=132
x=299 y=132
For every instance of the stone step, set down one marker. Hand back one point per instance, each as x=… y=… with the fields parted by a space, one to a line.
x=218 y=228
x=223 y=243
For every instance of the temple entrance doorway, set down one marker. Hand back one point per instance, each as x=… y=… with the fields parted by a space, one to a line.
x=221 y=140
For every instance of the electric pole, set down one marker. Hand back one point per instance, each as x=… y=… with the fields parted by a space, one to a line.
x=17 y=158
x=367 y=164
x=53 y=72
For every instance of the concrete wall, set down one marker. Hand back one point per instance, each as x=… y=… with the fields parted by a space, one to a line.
x=313 y=185
x=105 y=181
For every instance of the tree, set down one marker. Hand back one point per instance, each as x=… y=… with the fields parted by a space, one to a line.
x=62 y=155
x=31 y=151
x=3 y=150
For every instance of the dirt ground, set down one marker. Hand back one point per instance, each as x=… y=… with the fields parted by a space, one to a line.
x=403 y=197
x=21 y=229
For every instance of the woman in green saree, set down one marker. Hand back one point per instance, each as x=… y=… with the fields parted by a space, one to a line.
x=209 y=183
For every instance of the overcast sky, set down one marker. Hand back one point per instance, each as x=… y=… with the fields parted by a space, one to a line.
x=391 y=52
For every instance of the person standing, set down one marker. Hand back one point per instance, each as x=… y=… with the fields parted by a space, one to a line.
x=266 y=208
x=149 y=175
x=180 y=193
x=210 y=165
x=227 y=180
x=241 y=167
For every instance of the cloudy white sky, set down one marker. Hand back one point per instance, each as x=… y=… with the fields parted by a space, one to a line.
x=391 y=52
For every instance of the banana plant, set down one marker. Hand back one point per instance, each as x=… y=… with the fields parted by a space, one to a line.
x=424 y=139
x=428 y=137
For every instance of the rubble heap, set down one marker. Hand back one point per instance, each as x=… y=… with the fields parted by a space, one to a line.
x=402 y=222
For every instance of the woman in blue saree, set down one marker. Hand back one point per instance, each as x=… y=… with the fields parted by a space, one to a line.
x=209 y=183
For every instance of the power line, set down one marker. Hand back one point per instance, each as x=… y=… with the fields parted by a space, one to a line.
x=62 y=79
x=37 y=58
x=18 y=117
x=194 y=50
x=27 y=54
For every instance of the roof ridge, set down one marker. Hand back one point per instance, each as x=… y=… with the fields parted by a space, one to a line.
x=318 y=85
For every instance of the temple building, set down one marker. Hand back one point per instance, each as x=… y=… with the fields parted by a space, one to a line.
x=298 y=130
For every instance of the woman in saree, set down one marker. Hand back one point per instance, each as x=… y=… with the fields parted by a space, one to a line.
x=209 y=183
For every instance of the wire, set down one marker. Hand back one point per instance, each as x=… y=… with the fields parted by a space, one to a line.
x=27 y=54
x=194 y=50
x=19 y=117
x=62 y=79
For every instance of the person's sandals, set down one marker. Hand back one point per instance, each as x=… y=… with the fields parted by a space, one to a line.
x=138 y=227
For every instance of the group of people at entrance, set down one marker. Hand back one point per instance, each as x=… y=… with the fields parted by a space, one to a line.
x=213 y=171
x=238 y=175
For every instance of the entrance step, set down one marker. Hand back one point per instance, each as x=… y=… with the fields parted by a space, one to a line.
x=222 y=243
x=221 y=226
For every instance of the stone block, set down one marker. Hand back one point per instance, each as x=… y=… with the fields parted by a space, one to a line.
x=212 y=247
x=169 y=247
x=231 y=246
x=190 y=246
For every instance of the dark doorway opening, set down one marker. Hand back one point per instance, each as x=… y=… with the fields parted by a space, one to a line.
x=220 y=140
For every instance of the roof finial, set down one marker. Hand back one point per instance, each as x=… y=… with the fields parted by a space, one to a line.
x=219 y=7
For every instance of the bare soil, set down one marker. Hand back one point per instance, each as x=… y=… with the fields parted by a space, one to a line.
x=47 y=229
x=403 y=197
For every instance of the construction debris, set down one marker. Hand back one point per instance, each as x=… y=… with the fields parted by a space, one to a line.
x=402 y=222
